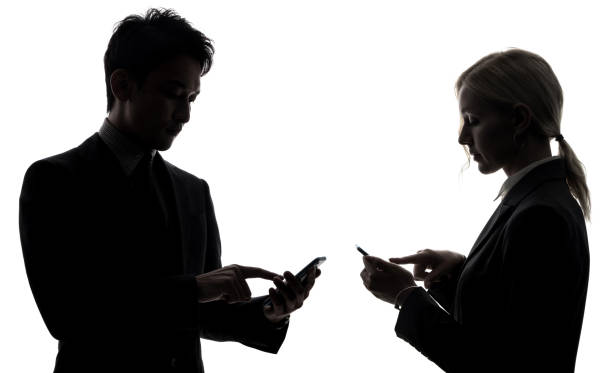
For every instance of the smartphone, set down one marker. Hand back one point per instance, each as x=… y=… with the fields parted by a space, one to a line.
x=303 y=274
x=362 y=251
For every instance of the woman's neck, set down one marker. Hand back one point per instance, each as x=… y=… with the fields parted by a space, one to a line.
x=532 y=152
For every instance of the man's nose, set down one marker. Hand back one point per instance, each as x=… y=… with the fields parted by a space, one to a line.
x=183 y=112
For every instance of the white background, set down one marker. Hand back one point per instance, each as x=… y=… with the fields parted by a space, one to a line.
x=322 y=124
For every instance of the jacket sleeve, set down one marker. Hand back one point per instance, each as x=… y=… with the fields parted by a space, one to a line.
x=240 y=322
x=444 y=291
x=538 y=297
x=75 y=294
x=49 y=227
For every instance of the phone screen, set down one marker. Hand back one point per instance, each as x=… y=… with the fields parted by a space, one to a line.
x=303 y=273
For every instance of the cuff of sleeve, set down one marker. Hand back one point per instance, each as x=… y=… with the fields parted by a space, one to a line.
x=417 y=318
x=402 y=295
x=274 y=332
x=284 y=323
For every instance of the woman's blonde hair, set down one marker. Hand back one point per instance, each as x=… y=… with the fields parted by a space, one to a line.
x=518 y=76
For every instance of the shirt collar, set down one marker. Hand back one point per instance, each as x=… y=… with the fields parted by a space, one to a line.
x=511 y=181
x=127 y=151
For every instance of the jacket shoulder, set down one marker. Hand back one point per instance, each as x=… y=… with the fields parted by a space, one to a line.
x=544 y=190
x=184 y=176
x=551 y=218
x=68 y=160
x=552 y=197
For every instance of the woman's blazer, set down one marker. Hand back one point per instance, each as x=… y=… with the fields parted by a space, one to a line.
x=518 y=302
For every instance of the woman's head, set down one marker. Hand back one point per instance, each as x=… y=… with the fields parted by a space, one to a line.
x=511 y=106
x=505 y=79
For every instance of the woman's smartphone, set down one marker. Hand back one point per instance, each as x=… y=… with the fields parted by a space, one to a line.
x=362 y=251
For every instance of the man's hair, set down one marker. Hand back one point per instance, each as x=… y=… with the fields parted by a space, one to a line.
x=140 y=44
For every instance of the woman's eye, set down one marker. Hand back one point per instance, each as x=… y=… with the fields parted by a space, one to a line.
x=471 y=121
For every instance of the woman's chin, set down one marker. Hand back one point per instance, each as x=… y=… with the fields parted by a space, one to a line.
x=485 y=169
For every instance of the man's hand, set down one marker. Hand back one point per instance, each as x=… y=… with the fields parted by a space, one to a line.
x=441 y=263
x=385 y=280
x=289 y=295
x=228 y=283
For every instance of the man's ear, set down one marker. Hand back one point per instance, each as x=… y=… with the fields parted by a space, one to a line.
x=522 y=118
x=121 y=84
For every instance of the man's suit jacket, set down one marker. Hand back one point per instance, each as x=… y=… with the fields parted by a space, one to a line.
x=517 y=303
x=114 y=297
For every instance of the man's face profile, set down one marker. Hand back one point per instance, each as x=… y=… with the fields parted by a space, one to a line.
x=157 y=110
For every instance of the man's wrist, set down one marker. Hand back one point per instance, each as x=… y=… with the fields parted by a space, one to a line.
x=279 y=323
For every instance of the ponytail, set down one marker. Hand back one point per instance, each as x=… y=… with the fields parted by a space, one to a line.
x=576 y=178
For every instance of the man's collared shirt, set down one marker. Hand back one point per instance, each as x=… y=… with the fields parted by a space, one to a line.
x=128 y=152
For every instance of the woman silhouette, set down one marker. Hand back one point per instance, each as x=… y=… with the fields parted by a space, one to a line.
x=516 y=303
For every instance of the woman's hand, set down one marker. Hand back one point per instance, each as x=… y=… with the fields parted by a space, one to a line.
x=442 y=263
x=385 y=280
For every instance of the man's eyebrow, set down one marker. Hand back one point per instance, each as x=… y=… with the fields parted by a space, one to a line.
x=181 y=85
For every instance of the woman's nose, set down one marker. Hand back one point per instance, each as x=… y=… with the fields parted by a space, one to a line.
x=464 y=136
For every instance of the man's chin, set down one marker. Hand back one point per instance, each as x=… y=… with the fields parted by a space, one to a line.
x=164 y=144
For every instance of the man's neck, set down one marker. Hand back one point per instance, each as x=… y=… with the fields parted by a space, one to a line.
x=116 y=120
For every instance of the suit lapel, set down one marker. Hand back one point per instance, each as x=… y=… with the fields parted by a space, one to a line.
x=500 y=215
x=178 y=210
x=106 y=170
x=545 y=172
x=113 y=186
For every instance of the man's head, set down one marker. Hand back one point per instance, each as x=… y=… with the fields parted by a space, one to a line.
x=153 y=66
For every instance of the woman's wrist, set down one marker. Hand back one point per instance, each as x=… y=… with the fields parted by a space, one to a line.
x=403 y=294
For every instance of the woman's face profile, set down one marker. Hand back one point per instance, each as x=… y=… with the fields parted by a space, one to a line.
x=487 y=132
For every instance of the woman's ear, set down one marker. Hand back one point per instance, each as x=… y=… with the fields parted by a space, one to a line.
x=522 y=118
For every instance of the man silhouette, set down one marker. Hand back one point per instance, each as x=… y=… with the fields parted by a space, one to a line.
x=121 y=248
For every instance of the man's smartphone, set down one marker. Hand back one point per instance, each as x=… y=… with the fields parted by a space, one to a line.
x=303 y=273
